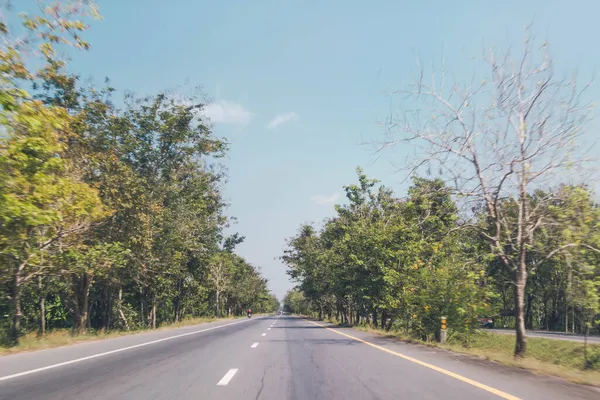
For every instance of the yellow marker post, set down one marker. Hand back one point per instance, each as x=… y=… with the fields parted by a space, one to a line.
x=443 y=331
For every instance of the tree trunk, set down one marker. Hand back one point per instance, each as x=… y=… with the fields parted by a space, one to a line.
x=374 y=318
x=82 y=293
x=388 y=326
x=154 y=313
x=176 y=309
x=88 y=325
x=529 y=312
x=177 y=301
x=108 y=307
x=16 y=305
x=568 y=295
x=383 y=319
x=77 y=311
x=546 y=316
x=150 y=316
x=217 y=303
x=120 y=306
x=16 y=331
x=521 y=340
x=42 y=303
x=84 y=311
x=143 y=306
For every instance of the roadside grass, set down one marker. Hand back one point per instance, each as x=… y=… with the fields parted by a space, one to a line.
x=559 y=358
x=64 y=337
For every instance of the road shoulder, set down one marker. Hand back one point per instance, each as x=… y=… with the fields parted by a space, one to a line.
x=26 y=361
x=517 y=381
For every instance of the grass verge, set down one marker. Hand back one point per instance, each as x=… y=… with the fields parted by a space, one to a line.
x=64 y=337
x=558 y=358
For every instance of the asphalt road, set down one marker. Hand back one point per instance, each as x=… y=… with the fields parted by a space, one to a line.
x=266 y=358
x=551 y=335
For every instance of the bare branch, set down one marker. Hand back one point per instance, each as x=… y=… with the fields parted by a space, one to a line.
x=562 y=248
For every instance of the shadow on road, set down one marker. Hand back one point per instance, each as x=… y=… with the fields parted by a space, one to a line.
x=298 y=327
x=345 y=342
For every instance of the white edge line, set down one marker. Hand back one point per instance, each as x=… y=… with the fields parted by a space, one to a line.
x=225 y=379
x=268 y=329
x=264 y=334
x=33 y=371
x=255 y=345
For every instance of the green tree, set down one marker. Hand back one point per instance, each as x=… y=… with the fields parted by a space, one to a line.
x=399 y=259
x=42 y=201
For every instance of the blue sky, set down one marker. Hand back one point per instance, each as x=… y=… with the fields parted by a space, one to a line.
x=299 y=85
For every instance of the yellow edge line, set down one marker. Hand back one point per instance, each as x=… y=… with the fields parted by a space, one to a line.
x=431 y=366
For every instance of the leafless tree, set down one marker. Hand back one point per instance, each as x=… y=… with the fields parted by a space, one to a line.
x=220 y=277
x=496 y=143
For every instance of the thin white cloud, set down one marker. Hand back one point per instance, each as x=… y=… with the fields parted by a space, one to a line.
x=281 y=119
x=321 y=199
x=227 y=112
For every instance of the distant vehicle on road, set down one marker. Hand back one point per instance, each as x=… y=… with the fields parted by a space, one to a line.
x=486 y=322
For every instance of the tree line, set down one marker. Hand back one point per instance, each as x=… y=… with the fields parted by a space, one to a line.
x=111 y=217
x=403 y=263
x=499 y=220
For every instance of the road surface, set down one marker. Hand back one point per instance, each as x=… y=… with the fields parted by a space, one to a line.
x=550 y=335
x=266 y=358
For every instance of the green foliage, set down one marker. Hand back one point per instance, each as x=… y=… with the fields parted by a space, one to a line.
x=116 y=212
x=295 y=302
x=405 y=263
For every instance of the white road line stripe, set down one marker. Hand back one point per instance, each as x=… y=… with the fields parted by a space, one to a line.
x=264 y=334
x=268 y=329
x=255 y=345
x=33 y=371
x=225 y=380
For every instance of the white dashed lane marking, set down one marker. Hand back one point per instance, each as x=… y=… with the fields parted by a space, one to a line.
x=225 y=379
